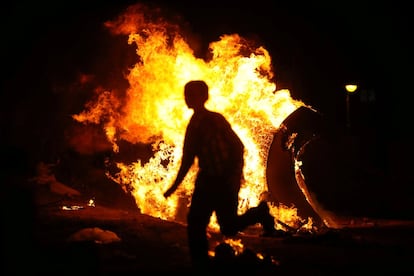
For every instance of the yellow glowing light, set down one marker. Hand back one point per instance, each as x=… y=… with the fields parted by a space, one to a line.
x=351 y=88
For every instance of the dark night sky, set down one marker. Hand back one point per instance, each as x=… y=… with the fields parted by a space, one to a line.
x=316 y=48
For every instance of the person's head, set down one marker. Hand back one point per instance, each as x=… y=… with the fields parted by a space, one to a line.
x=195 y=93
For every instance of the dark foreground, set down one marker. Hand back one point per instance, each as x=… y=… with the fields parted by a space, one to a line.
x=141 y=245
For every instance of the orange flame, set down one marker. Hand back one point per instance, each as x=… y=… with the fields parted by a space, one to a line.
x=154 y=110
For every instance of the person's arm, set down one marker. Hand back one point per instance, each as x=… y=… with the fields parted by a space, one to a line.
x=185 y=166
x=186 y=163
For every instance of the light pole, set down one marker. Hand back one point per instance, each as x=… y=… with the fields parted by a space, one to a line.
x=350 y=88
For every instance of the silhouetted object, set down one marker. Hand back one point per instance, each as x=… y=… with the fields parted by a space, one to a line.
x=296 y=130
x=210 y=138
x=336 y=176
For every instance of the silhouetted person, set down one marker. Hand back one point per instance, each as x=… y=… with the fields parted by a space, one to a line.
x=210 y=138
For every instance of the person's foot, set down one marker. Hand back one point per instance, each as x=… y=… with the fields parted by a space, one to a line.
x=266 y=219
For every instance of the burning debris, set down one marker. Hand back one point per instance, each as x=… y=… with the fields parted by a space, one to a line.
x=91 y=203
x=244 y=260
x=72 y=207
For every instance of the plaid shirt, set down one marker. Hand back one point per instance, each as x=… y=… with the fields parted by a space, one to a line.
x=210 y=138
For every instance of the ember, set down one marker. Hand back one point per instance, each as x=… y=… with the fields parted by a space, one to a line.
x=72 y=207
x=91 y=203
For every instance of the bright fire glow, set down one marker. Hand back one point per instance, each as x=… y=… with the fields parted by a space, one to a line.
x=154 y=111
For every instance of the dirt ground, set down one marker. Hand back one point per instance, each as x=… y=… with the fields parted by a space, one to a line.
x=101 y=240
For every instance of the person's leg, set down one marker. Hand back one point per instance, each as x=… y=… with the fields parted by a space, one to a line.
x=226 y=213
x=260 y=214
x=264 y=217
x=226 y=208
x=198 y=219
x=226 y=202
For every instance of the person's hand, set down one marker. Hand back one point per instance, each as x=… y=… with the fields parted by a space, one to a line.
x=168 y=192
x=172 y=189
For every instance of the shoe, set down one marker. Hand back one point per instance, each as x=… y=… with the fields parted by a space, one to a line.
x=266 y=219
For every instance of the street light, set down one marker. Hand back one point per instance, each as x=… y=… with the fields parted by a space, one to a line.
x=350 y=88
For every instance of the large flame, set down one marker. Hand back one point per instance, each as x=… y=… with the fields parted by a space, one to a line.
x=154 y=111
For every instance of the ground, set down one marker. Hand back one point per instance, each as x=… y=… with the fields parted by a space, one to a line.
x=126 y=242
